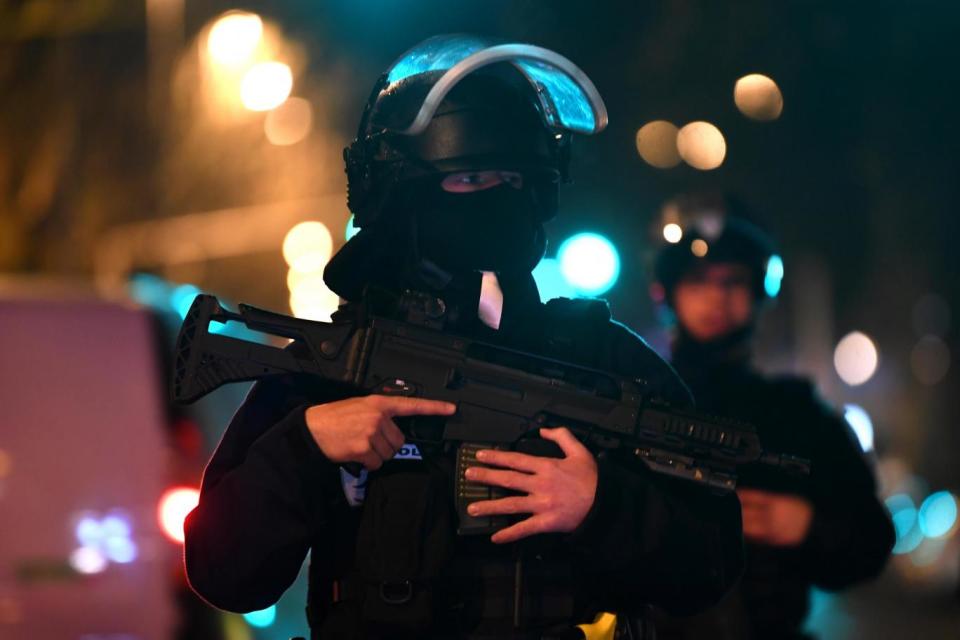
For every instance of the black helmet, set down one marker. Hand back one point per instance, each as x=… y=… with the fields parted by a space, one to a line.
x=714 y=229
x=455 y=104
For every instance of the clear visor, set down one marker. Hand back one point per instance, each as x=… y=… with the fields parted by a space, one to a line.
x=568 y=98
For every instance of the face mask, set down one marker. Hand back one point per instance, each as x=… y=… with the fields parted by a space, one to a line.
x=497 y=229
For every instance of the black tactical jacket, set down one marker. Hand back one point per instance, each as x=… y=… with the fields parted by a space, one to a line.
x=269 y=496
x=851 y=534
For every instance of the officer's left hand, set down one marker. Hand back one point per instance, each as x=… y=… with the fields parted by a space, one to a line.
x=560 y=491
x=774 y=519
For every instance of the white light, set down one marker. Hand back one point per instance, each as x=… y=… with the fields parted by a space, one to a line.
x=175 y=505
x=855 y=358
x=88 y=560
x=308 y=246
x=589 y=262
x=289 y=123
x=234 y=37
x=265 y=86
x=859 y=421
x=758 y=97
x=701 y=145
x=672 y=233
x=314 y=303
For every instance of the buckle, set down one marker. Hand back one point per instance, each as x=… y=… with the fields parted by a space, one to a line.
x=400 y=592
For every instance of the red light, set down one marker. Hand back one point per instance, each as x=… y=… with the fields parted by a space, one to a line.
x=174 y=506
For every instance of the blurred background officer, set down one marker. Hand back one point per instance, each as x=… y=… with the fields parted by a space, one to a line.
x=828 y=530
x=454 y=171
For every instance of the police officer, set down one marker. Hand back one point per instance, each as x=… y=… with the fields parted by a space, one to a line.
x=827 y=530
x=454 y=171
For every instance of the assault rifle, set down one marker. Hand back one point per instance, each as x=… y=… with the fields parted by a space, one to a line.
x=503 y=396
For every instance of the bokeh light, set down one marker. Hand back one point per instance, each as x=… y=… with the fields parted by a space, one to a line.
x=308 y=246
x=262 y=618
x=855 y=358
x=701 y=145
x=774 y=276
x=234 y=37
x=699 y=247
x=905 y=524
x=175 y=505
x=657 y=144
x=550 y=281
x=351 y=230
x=938 y=515
x=758 y=97
x=266 y=86
x=589 y=262
x=120 y=549
x=930 y=360
x=87 y=531
x=289 y=123
x=314 y=302
x=182 y=298
x=150 y=290
x=859 y=420
x=672 y=233
x=88 y=560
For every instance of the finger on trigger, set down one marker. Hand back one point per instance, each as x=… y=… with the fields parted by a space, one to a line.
x=402 y=406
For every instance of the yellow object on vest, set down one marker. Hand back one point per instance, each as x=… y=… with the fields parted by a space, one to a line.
x=603 y=627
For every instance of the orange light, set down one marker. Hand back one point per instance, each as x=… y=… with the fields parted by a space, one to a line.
x=174 y=506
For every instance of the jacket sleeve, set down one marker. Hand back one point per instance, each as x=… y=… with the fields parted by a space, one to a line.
x=261 y=499
x=653 y=539
x=851 y=534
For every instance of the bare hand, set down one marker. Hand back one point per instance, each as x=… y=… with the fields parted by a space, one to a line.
x=775 y=519
x=560 y=492
x=362 y=429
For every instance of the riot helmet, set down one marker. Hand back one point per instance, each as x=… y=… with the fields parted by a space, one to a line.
x=460 y=104
x=715 y=229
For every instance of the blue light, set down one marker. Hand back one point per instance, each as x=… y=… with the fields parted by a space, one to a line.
x=351 y=230
x=115 y=527
x=859 y=421
x=436 y=54
x=120 y=549
x=771 y=282
x=571 y=108
x=550 y=281
x=149 y=290
x=88 y=532
x=262 y=618
x=904 y=516
x=938 y=514
x=589 y=263
x=182 y=297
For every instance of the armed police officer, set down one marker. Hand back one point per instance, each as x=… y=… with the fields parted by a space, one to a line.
x=828 y=529
x=454 y=171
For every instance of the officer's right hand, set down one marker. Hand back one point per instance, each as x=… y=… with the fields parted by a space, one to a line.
x=362 y=429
